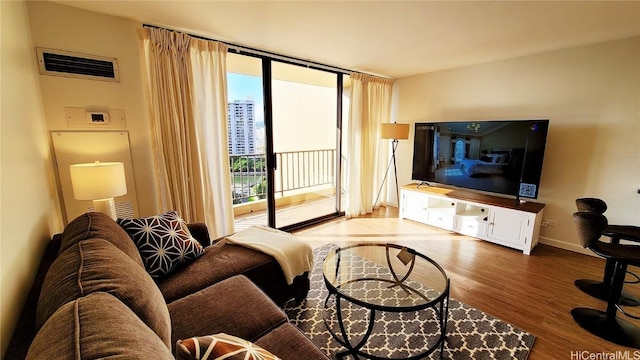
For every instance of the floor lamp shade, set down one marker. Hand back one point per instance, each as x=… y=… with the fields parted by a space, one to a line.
x=394 y=131
x=100 y=182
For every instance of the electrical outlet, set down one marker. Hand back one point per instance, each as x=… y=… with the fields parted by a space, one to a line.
x=549 y=223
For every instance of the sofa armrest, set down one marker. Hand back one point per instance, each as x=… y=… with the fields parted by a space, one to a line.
x=200 y=232
x=288 y=342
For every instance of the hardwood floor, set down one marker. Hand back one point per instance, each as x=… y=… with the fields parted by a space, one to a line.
x=535 y=293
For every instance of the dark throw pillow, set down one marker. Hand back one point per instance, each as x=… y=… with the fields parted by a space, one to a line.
x=164 y=242
x=220 y=346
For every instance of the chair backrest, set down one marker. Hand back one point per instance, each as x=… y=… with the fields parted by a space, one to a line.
x=591 y=205
x=590 y=226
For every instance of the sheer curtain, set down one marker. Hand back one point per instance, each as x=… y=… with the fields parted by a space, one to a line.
x=184 y=93
x=208 y=64
x=369 y=107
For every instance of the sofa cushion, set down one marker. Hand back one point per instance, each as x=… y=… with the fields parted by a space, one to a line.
x=164 y=242
x=221 y=261
x=220 y=346
x=98 y=225
x=96 y=326
x=234 y=306
x=96 y=265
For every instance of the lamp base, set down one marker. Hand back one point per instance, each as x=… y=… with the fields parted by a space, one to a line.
x=106 y=206
x=394 y=146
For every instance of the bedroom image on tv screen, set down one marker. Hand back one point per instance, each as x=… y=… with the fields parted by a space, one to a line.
x=502 y=156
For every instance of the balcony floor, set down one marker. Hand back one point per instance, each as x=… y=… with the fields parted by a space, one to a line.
x=288 y=214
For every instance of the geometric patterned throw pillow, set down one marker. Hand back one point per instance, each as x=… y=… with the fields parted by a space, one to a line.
x=164 y=242
x=220 y=346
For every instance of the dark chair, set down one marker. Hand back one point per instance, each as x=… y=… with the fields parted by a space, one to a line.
x=600 y=289
x=605 y=324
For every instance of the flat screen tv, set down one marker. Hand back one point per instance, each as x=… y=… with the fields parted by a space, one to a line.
x=497 y=156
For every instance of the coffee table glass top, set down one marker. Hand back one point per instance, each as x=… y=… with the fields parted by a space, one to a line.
x=385 y=276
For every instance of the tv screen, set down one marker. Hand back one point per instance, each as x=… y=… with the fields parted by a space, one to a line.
x=501 y=156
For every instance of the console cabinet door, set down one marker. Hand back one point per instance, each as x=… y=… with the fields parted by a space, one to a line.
x=508 y=226
x=414 y=206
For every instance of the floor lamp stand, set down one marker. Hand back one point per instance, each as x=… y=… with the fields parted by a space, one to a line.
x=395 y=170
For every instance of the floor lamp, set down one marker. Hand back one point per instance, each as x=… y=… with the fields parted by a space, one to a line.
x=395 y=132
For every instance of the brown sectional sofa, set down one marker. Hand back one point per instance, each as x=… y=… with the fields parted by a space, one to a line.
x=96 y=299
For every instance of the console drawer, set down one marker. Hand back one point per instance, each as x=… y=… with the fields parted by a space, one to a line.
x=474 y=226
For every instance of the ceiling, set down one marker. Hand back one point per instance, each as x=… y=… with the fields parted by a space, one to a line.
x=390 y=38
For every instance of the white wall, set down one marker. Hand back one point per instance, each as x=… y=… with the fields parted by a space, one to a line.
x=67 y=28
x=28 y=207
x=591 y=94
x=304 y=116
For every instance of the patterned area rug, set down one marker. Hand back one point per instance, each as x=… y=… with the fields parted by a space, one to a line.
x=471 y=334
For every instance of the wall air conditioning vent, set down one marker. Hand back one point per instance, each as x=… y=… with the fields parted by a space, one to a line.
x=76 y=65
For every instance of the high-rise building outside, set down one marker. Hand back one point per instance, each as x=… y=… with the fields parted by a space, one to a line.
x=241 y=131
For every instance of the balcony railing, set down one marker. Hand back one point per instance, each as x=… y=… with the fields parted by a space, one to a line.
x=295 y=170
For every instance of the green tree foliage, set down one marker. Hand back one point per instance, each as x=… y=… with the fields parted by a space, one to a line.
x=260 y=188
x=248 y=164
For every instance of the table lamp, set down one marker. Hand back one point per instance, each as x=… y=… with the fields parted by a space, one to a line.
x=100 y=182
x=395 y=132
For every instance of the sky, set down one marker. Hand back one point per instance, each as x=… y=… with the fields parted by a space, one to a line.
x=242 y=87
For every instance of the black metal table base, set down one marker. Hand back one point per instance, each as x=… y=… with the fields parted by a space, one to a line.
x=340 y=283
x=615 y=330
x=355 y=351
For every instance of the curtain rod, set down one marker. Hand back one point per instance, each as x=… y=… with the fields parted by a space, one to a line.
x=245 y=50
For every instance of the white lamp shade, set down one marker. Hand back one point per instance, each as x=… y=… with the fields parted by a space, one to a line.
x=394 y=131
x=99 y=180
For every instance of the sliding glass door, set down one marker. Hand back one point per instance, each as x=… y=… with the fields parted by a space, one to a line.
x=304 y=104
x=284 y=142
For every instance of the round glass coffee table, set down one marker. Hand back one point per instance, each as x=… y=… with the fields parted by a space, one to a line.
x=374 y=289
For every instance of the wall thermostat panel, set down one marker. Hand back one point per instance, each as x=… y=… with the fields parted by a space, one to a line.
x=104 y=119
x=97 y=117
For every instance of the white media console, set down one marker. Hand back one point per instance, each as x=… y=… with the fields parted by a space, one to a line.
x=496 y=219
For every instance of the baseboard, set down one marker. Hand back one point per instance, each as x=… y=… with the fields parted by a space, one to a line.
x=565 y=245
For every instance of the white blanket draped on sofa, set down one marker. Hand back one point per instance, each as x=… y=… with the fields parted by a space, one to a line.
x=294 y=256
